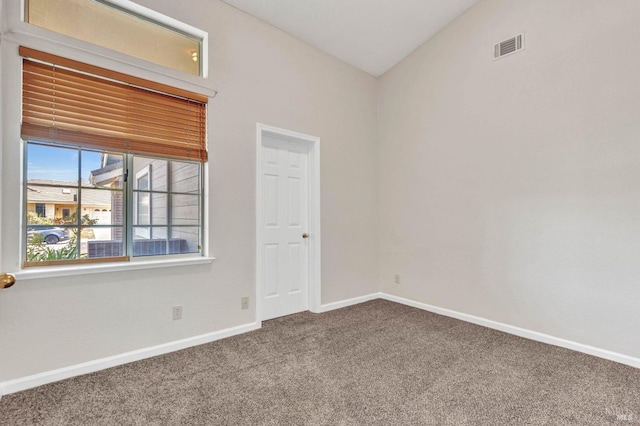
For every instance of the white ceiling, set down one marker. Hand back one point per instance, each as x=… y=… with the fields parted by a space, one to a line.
x=372 y=35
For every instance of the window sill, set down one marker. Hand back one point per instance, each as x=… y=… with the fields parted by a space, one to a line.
x=64 y=271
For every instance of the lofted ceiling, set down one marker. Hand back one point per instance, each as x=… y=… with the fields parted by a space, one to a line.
x=372 y=35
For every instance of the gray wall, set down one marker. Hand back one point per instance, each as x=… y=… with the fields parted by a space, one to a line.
x=509 y=189
x=263 y=75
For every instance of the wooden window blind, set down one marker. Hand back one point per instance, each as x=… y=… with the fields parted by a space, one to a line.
x=76 y=103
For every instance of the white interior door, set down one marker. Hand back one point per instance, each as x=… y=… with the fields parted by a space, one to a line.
x=285 y=218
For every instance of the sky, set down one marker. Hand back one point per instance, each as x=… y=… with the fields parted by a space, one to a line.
x=54 y=163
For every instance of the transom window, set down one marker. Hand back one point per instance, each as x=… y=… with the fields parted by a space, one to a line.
x=125 y=27
x=113 y=170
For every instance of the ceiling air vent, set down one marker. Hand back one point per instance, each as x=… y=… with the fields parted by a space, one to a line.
x=507 y=47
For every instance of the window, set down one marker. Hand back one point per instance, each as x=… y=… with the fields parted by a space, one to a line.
x=119 y=164
x=41 y=210
x=114 y=24
x=70 y=178
x=167 y=200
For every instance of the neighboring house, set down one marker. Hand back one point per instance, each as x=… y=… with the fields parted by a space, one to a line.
x=55 y=200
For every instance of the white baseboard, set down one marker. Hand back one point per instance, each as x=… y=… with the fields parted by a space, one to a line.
x=27 y=382
x=349 y=302
x=522 y=332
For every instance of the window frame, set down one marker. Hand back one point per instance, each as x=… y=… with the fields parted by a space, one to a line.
x=18 y=33
x=21 y=25
x=128 y=223
x=169 y=226
x=41 y=209
x=24 y=242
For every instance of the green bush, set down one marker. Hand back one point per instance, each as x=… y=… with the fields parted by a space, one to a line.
x=36 y=238
x=34 y=219
x=38 y=252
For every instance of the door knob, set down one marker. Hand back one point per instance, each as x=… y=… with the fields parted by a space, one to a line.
x=7 y=280
x=305 y=235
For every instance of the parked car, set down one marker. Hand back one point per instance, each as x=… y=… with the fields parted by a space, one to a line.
x=50 y=234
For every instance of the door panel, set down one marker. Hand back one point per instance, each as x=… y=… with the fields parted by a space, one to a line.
x=284 y=252
x=271 y=270
x=294 y=259
x=270 y=187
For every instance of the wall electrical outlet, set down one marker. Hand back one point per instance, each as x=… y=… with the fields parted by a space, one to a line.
x=244 y=303
x=396 y=278
x=177 y=312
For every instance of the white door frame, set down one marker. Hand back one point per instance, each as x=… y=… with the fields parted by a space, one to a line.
x=314 y=212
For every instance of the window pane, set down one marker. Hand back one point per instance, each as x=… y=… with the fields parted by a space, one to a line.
x=143 y=183
x=183 y=240
x=154 y=244
x=51 y=243
x=185 y=177
x=158 y=209
x=103 y=169
x=149 y=208
x=97 y=207
x=49 y=205
x=102 y=242
x=188 y=237
x=150 y=174
x=48 y=234
x=41 y=209
x=90 y=161
x=55 y=165
x=185 y=209
x=159 y=232
x=141 y=232
x=109 y=27
x=142 y=208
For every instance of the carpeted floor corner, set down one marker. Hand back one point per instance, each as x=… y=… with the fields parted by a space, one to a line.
x=377 y=363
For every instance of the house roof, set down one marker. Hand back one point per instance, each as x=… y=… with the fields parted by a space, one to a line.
x=106 y=174
x=61 y=192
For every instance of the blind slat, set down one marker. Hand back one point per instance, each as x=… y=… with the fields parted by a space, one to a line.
x=98 y=106
x=107 y=119
x=110 y=127
x=112 y=142
x=45 y=84
x=61 y=105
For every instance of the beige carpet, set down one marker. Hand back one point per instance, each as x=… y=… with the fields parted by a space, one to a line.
x=378 y=363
